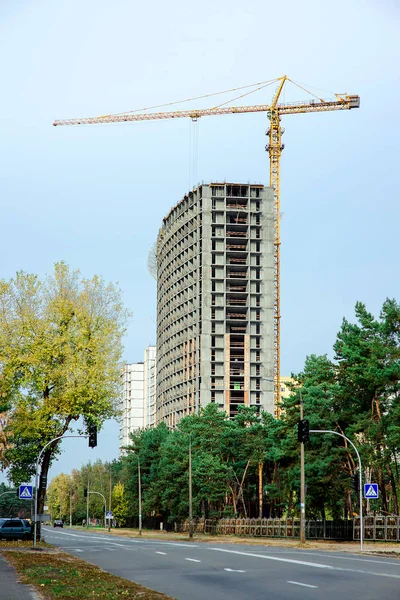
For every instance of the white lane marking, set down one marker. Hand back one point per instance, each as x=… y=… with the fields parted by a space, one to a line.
x=116 y=544
x=168 y=544
x=75 y=535
x=164 y=553
x=235 y=570
x=303 y=584
x=288 y=560
x=76 y=550
x=368 y=560
x=130 y=540
x=193 y=559
x=307 y=564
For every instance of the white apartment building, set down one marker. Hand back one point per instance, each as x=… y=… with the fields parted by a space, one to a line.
x=138 y=405
x=150 y=386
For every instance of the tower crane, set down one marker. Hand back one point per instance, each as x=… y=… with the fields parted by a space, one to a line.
x=274 y=111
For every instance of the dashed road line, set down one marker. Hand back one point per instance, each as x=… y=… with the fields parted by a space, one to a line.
x=395 y=563
x=193 y=559
x=234 y=570
x=308 y=564
x=164 y=553
x=302 y=584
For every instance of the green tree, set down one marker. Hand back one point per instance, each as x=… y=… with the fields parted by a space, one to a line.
x=120 y=504
x=368 y=355
x=60 y=351
x=58 y=496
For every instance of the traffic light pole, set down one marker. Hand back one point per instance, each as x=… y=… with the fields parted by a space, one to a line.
x=360 y=478
x=302 y=484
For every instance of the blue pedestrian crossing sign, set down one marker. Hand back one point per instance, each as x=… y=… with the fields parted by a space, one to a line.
x=371 y=491
x=25 y=492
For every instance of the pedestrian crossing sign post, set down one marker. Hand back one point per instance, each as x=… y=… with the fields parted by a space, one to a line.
x=25 y=492
x=371 y=491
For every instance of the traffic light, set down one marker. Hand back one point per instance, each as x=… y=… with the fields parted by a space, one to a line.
x=355 y=482
x=92 y=436
x=303 y=431
x=85 y=492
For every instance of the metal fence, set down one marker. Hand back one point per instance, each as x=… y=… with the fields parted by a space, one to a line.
x=280 y=528
x=378 y=528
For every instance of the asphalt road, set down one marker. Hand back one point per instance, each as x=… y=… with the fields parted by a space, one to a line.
x=207 y=571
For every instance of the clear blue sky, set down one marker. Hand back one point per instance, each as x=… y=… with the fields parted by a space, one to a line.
x=95 y=196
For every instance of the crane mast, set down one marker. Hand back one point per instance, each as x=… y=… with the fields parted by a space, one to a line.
x=274 y=111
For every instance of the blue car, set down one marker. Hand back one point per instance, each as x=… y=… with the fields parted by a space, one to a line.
x=15 y=529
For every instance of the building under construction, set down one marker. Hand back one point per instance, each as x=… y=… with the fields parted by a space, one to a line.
x=215 y=301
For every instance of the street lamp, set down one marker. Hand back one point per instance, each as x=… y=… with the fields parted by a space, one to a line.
x=36 y=477
x=140 y=495
x=190 y=490
x=360 y=478
x=12 y=492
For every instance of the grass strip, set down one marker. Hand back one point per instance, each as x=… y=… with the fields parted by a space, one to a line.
x=64 y=577
x=22 y=544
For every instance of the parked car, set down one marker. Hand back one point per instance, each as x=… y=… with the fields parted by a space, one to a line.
x=15 y=529
x=58 y=523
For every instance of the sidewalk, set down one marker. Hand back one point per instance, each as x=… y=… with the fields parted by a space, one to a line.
x=10 y=589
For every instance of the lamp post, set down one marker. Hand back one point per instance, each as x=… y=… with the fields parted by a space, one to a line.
x=109 y=503
x=36 y=477
x=140 y=494
x=302 y=483
x=3 y=494
x=13 y=492
x=360 y=478
x=190 y=490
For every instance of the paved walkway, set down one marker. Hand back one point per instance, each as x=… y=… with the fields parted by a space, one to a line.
x=10 y=589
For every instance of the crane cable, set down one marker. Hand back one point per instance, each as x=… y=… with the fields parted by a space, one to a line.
x=260 y=83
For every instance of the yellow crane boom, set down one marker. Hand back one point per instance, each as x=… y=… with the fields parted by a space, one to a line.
x=274 y=148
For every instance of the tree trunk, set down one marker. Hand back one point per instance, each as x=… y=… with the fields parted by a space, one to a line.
x=234 y=500
x=290 y=504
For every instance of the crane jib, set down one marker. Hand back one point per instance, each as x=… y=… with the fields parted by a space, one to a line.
x=274 y=112
x=341 y=103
